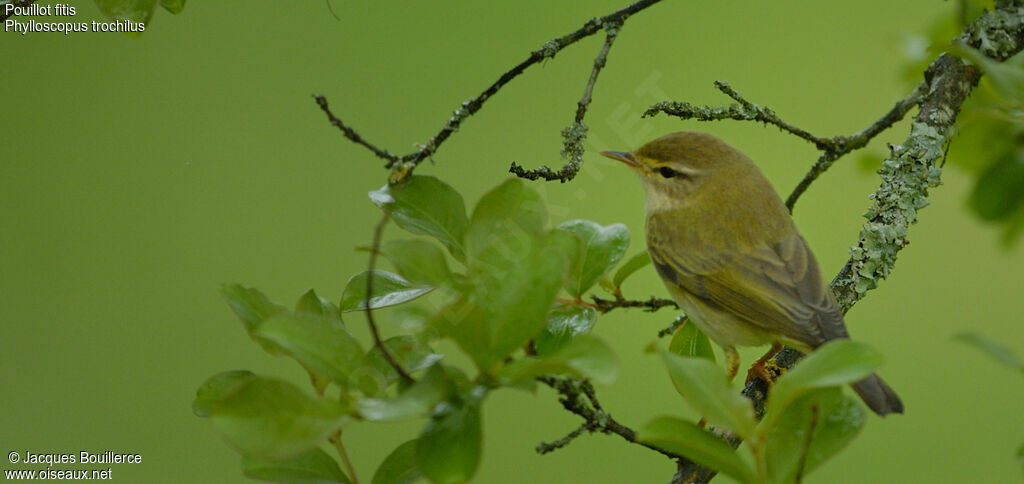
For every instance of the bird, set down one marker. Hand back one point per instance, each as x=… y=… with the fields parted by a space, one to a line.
x=731 y=256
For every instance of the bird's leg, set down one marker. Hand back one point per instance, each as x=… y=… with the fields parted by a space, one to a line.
x=732 y=361
x=758 y=369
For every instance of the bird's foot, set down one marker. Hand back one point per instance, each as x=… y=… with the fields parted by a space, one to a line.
x=765 y=368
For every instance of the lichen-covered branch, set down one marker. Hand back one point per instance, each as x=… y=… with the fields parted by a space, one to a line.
x=650 y=305
x=578 y=397
x=546 y=447
x=575 y=134
x=743 y=111
x=913 y=166
x=404 y=164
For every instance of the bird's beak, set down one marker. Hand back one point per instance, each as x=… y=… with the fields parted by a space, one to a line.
x=622 y=156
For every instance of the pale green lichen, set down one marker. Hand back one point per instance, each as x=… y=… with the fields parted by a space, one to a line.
x=906 y=177
x=549 y=49
x=992 y=32
x=685 y=110
x=612 y=28
x=573 y=137
x=912 y=169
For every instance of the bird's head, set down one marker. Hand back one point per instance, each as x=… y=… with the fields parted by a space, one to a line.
x=676 y=165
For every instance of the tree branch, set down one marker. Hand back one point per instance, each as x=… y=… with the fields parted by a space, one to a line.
x=404 y=164
x=575 y=134
x=546 y=447
x=676 y=324
x=571 y=395
x=650 y=305
x=744 y=111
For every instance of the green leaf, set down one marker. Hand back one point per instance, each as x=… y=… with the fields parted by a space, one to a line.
x=321 y=344
x=683 y=438
x=418 y=260
x=399 y=467
x=389 y=289
x=635 y=263
x=411 y=318
x=469 y=326
x=133 y=10
x=266 y=418
x=603 y=247
x=530 y=291
x=426 y=205
x=413 y=355
x=812 y=429
x=512 y=291
x=376 y=373
x=999 y=190
x=998 y=352
x=416 y=401
x=585 y=357
x=311 y=467
x=506 y=215
x=565 y=322
x=836 y=363
x=706 y=388
x=215 y=388
x=252 y=308
x=448 y=449
x=689 y=340
x=312 y=303
x=250 y=305
x=173 y=6
x=842 y=421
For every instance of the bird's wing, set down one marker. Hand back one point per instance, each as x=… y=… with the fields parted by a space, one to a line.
x=777 y=288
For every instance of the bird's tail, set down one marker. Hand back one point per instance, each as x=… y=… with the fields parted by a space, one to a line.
x=878 y=396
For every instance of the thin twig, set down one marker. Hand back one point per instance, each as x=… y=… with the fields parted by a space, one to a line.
x=572 y=392
x=340 y=447
x=575 y=134
x=18 y=4
x=766 y=115
x=330 y=8
x=807 y=444
x=350 y=133
x=369 y=294
x=744 y=111
x=546 y=447
x=471 y=106
x=676 y=324
x=650 y=305
x=840 y=146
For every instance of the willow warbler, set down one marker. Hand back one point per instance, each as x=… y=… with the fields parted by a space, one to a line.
x=730 y=255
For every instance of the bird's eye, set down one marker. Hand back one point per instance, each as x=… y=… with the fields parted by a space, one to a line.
x=667 y=172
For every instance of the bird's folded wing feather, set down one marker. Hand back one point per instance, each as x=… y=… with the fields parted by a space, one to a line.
x=777 y=288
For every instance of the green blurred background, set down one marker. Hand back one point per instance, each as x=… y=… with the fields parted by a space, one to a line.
x=137 y=175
